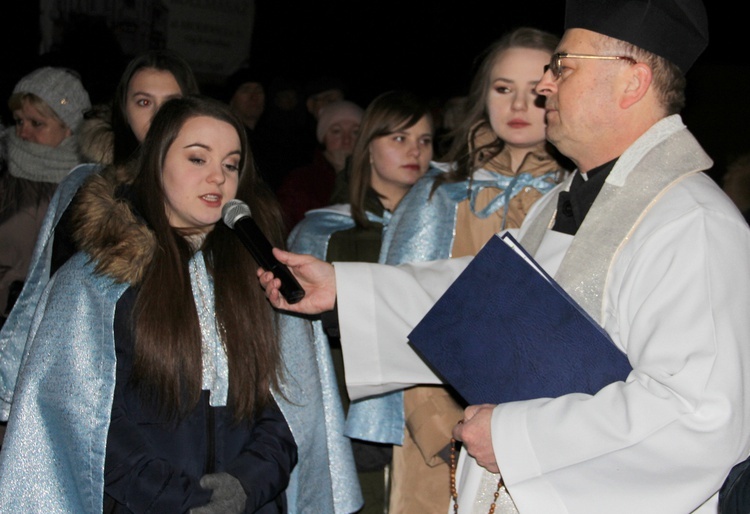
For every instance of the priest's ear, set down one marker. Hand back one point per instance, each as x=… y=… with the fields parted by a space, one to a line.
x=638 y=78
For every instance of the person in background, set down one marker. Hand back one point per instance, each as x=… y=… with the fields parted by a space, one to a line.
x=453 y=113
x=288 y=144
x=246 y=95
x=15 y=288
x=499 y=166
x=108 y=137
x=393 y=150
x=48 y=106
x=113 y=135
x=322 y=91
x=148 y=81
x=316 y=94
x=645 y=242
x=311 y=186
x=114 y=131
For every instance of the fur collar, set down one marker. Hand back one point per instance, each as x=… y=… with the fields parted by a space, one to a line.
x=95 y=137
x=106 y=228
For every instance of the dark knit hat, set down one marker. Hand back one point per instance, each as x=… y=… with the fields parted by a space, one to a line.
x=240 y=77
x=676 y=30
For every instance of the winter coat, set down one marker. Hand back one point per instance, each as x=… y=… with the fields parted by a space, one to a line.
x=68 y=471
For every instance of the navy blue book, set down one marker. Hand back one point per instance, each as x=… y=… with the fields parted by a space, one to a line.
x=505 y=331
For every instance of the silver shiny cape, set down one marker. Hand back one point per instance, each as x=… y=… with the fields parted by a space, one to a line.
x=14 y=333
x=421 y=229
x=379 y=419
x=52 y=458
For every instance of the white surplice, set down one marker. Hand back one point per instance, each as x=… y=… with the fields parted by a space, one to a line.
x=676 y=300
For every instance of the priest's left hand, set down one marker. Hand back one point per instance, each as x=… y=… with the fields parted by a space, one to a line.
x=476 y=435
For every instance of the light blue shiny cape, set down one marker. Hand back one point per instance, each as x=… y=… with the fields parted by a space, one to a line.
x=421 y=229
x=16 y=328
x=379 y=419
x=52 y=458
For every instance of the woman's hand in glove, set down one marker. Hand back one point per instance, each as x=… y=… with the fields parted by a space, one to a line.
x=228 y=495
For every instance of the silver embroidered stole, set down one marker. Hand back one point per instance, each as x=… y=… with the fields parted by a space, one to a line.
x=660 y=158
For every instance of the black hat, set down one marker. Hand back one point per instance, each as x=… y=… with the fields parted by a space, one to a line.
x=239 y=77
x=674 y=29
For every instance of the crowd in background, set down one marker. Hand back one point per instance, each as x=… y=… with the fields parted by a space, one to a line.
x=334 y=170
x=305 y=145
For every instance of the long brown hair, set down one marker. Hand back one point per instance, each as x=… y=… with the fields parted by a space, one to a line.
x=388 y=113
x=167 y=368
x=462 y=151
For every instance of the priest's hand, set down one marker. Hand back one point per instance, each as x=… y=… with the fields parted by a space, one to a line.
x=316 y=277
x=475 y=433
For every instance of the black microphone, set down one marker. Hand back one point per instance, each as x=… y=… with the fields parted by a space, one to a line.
x=236 y=215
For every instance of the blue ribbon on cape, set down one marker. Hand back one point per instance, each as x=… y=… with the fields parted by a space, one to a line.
x=421 y=229
x=511 y=186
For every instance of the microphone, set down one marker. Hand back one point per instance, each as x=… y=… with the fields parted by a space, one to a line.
x=236 y=215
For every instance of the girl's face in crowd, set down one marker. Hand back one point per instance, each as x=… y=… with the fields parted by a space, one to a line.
x=200 y=173
x=399 y=159
x=148 y=89
x=33 y=126
x=516 y=112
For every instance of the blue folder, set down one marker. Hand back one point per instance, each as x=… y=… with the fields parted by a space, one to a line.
x=505 y=331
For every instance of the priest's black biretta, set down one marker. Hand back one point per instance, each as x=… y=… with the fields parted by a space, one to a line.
x=674 y=29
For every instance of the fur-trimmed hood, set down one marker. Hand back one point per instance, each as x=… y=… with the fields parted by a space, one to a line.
x=95 y=136
x=109 y=231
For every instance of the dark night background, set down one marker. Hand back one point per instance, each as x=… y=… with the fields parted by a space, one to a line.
x=424 y=46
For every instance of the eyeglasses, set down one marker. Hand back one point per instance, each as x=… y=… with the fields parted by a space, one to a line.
x=555 y=64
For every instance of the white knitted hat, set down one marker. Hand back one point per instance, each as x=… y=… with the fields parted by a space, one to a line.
x=61 y=89
x=335 y=112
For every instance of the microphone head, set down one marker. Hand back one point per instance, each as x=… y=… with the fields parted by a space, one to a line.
x=234 y=210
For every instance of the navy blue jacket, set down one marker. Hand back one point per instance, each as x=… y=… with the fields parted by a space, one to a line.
x=154 y=465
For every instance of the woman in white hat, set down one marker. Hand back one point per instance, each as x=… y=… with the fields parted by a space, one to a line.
x=48 y=106
x=311 y=186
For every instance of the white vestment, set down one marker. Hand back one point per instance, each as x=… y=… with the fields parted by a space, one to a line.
x=676 y=300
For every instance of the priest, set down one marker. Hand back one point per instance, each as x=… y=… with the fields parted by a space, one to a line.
x=649 y=246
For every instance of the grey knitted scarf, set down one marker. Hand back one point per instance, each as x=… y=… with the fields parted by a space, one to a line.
x=40 y=163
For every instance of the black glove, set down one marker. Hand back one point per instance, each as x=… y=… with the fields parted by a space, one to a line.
x=228 y=495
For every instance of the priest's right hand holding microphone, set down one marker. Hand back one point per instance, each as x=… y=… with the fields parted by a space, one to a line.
x=316 y=277
x=293 y=282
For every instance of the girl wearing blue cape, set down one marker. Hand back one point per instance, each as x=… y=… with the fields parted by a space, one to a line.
x=392 y=152
x=155 y=376
x=498 y=167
